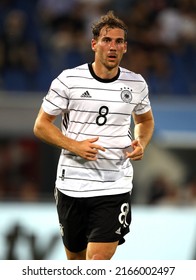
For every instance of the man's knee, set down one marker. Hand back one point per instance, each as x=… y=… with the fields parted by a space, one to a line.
x=100 y=257
x=101 y=251
x=75 y=256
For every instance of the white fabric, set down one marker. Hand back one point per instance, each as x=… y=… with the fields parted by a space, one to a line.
x=93 y=107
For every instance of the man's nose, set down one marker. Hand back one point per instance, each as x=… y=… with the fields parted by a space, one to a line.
x=113 y=44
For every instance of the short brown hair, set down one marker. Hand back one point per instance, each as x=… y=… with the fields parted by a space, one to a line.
x=109 y=20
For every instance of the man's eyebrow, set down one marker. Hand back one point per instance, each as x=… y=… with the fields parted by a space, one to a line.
x=118 y=38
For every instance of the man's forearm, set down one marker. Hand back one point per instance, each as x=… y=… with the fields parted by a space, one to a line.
x=144 y=131
x=49 y=133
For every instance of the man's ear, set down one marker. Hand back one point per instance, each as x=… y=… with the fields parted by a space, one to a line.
x=125 y=50
x=93 y=44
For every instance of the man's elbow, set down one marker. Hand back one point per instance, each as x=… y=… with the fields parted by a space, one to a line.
x=36 y=129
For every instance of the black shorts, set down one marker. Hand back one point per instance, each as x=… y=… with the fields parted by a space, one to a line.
x=93 y=219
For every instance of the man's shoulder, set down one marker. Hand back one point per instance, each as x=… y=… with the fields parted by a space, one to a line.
x=80 y=69
x=130 y=75
x=71 y=76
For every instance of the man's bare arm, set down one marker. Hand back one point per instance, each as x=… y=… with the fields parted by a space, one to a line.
x=48 y=132
x=143 y=131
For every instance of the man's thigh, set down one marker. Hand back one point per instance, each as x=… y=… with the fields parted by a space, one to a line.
x=73 y=222
x=109 y=218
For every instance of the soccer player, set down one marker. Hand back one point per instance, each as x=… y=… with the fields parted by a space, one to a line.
x=94 y=174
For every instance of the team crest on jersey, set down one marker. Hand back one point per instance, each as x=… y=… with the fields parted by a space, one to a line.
x=126 y=95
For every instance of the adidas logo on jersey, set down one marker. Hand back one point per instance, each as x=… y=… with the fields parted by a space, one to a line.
x=86 y=94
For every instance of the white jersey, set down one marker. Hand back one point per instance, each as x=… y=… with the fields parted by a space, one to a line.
x=92 y=107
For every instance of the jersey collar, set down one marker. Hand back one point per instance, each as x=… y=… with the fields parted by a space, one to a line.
x=100 y=79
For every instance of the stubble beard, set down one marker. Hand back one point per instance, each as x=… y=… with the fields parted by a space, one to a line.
x=111 y=65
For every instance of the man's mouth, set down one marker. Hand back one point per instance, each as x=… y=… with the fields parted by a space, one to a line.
x=112 y=56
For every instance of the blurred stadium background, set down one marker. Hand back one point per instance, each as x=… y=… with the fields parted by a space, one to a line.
x=40 y=38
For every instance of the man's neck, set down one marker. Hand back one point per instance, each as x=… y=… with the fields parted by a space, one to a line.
x=103 y=72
